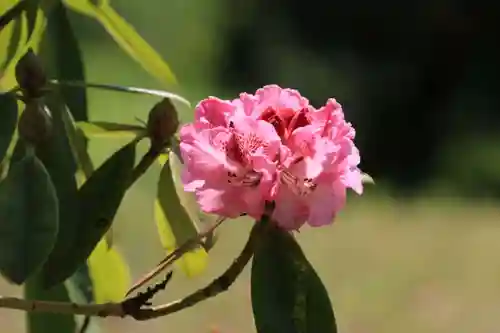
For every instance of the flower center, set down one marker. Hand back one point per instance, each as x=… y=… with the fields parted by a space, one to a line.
x=285 y=120
x=250 y=178
x=239 y=149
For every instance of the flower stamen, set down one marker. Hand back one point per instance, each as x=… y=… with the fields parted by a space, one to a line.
x=299 y=187
x=249 y=179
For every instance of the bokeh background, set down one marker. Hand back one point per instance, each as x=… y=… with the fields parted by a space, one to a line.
x=418 y=252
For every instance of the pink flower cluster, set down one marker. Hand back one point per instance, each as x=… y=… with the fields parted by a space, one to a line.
x=271 y=146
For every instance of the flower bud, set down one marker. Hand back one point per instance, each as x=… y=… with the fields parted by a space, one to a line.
x=162 y=123
x=35 y=124
x=30 y=75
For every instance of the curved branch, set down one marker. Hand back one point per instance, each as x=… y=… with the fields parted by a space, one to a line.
x=134 y=306
x=217 y=286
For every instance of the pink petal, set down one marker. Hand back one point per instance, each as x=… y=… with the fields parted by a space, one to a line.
x=290 y=212
x=332 y=110
x=245 y=105
x=198 y=149
x=316 y=151
x=324 y=203
x=219 y=201
x=254 y=203
x=277 y=97
x=213 y=112
x=191 y=183
x=260 y=135
x=353 y=179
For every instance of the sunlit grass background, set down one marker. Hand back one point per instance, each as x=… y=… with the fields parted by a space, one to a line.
x=391 y=266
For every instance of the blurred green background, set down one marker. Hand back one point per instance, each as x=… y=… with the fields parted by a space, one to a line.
x=419 y=81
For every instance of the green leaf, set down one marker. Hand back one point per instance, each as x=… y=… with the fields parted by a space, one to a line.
x=58 y=157
x=8 y=114
x=287 y=294
x=104 y=279
x=127 y=37
x=85 y=166
x=367 y=179
x=29 y=216
x=9 y=35
x=8 y=79
x=85 y=7
x=106 y=129
x=106 y=267
x=132 y=43
x=48 y=322
x=174 y=218
x=125 y=89
x=10 y=10
x=78 y=143
x=98 y=201
x=79 y=286
x=109 y=273
x=67 y=59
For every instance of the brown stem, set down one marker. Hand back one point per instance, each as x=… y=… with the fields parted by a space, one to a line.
x=174 y=255
x=217 y=286
x=128 y=308
x=99 y=310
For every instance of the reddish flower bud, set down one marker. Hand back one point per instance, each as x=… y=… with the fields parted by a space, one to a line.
x=35 y=124
x=30 y=75
x=162 y=123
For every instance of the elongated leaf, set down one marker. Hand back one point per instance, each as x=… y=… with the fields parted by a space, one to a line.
x=28 y=218
x=78 y=144
x=67 y=60
x=9 y=11
x=8 y=114
x=30 y=10
x=127 y=37
x=132 y=43
x=48 y=322
x=8 y=79
x=125 y=89
x=57 y=156
x=85 y=167
x=85 y=7
x=98 y=201
x=367 y=179
x=104 y=129
x=7 y=76
x=287 y=294
x=9 y=35
x=175 y=225
x=94 y=281
x=110 y=274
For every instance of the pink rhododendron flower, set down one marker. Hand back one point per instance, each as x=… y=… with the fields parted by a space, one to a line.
x=271 y=146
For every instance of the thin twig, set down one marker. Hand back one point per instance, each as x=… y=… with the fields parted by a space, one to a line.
x=217 y=286
x=144 y=298
x=176 y=254
x=93 y=310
